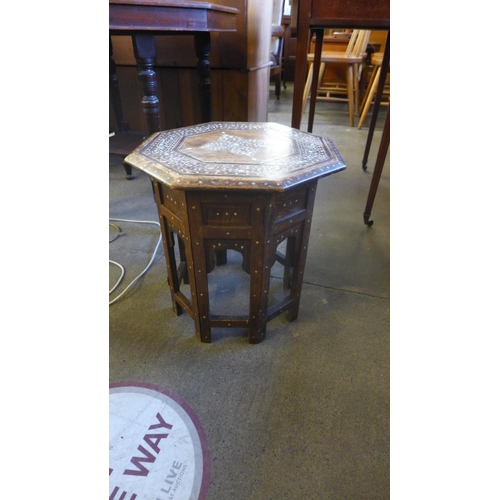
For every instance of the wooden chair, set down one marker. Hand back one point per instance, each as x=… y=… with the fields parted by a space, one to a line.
x=277 y=43
x=352 y=58
x=376 y=61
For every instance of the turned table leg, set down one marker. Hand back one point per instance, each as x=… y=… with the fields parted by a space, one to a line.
x=145 y=53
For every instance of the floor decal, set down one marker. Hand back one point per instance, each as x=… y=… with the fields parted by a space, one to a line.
x=157 y=447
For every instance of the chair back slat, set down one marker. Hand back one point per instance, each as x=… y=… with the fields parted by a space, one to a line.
x=357 y=43
x=352 y=42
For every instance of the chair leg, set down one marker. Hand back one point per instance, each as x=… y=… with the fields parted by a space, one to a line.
x=350 y=94
x=307 y=88
x=277 y=86
x=356 y=88
x=368 y=87
x=369 y=97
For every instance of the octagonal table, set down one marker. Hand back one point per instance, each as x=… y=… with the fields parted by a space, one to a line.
x=235 y=186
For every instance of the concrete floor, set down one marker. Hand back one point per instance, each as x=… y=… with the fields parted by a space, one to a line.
x=304 y=414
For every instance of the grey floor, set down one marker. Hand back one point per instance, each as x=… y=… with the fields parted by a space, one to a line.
x=304 y=414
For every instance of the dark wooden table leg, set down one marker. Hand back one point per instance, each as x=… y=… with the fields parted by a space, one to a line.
x=116 y=103
x=378 y=97
x=261 y=259
x=314 y=85
x=145 y=53
x=202 y=48
x=379 y=165
x=300 y=72
x=168 y=248
x=300 y=253
x=197 y=267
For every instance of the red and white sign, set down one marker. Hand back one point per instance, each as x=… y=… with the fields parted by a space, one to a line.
x=157 y=447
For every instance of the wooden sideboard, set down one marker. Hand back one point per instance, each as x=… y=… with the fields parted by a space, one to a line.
x=239 y=72
x=142 y=20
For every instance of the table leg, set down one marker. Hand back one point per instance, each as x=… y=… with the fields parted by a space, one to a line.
x=315 y=79
x=261 y=260
x=145 y=53
x=300 y=67
x=300 y=253
x=196 y=256
x=168 y=248
x=379 y=165
x=378 y=97
x=202 y=48
x=199 y=290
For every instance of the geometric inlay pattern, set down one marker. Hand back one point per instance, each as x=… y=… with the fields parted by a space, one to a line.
x=236 y=154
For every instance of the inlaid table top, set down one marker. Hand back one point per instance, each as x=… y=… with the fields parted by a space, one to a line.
x=236 y=155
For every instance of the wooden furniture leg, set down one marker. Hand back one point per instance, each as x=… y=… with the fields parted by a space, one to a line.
x=378 y=97
x=367 y=100
x=351 y=92
x=277 y=86
x=315 y=79
x=261 y=258
x=379 y=165
x=199 y=283
x=173 y=278
x=307 y=88
x=145 y=53
x=301 y=240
